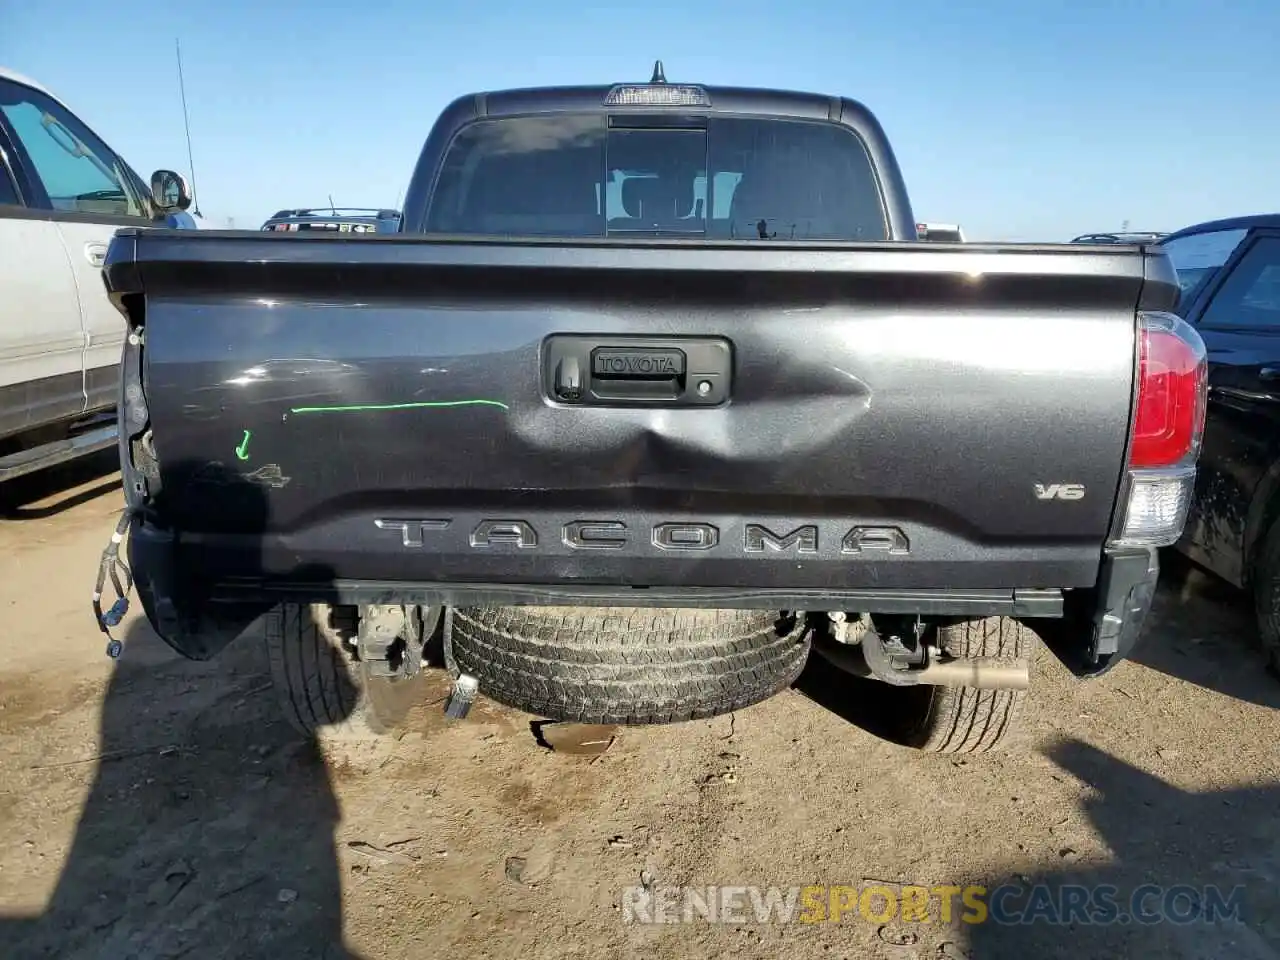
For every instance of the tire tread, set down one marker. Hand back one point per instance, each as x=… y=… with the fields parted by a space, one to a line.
x=968 y=719
x=312 y=670
x=627 y=664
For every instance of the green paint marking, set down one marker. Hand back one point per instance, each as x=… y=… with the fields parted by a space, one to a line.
x=425 y=405
x=242 y=451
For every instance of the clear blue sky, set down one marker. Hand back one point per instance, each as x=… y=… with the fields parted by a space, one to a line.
x=1020 y=119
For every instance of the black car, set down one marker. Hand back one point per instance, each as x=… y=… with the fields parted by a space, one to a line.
x=1229 y=274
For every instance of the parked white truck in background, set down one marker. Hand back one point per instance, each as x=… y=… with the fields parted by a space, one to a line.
x=63 y=195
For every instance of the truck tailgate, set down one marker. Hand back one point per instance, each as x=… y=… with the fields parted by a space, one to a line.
x=885 y=415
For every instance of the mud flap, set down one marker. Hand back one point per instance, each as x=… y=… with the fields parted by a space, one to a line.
x=1101 y=627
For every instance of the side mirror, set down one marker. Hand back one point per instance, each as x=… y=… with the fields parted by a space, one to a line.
x=169 y=191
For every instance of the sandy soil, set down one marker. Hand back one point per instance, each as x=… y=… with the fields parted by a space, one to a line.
x=160 y=808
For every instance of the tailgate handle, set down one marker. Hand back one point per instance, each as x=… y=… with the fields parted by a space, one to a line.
x=607 y=371
x=638 y=373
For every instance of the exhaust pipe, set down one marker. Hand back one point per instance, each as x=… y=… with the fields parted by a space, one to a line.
x=869 y=659
x=985 y=673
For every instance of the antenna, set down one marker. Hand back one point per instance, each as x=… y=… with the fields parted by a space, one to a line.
x=186 y=123
x=332 y=208
x=658 y=75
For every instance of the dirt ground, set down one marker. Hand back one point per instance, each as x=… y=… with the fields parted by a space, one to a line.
x=160 y=808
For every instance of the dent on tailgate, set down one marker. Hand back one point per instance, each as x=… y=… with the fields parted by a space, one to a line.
x=886 y=416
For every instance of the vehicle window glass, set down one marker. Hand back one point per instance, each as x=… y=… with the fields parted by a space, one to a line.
x=652 y=174
x=796 y=181
x=1196 y=258
x=78 y=171
x=1250 y=296
x=572 y=176
x=523 y=177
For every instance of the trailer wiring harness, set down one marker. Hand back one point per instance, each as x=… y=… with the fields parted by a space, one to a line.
x=112 y=568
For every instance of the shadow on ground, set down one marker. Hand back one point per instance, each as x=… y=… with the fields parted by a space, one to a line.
x=46 y=493
x=208 y=830
x=1193 y=847
x=1202 y=630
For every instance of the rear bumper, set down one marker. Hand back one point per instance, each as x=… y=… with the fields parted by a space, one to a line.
x=198 y=600
x=1014 y=603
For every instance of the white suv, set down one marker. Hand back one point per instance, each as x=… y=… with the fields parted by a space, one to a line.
x=63 y=194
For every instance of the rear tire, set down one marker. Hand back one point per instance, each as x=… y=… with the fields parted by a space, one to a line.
x=966 y=719
x=319 y=681
x=626 y=664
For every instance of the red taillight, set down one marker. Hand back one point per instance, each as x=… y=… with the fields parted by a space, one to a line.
x=1172 y=381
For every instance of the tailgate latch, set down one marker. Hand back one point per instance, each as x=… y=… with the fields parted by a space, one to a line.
x=637 y=371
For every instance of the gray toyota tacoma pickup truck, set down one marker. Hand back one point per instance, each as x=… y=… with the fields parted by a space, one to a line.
x=654 y=395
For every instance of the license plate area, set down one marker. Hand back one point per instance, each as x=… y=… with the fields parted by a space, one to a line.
x=605 y=371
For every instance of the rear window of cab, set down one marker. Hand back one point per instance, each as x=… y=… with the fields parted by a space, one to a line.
x=575 y=175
